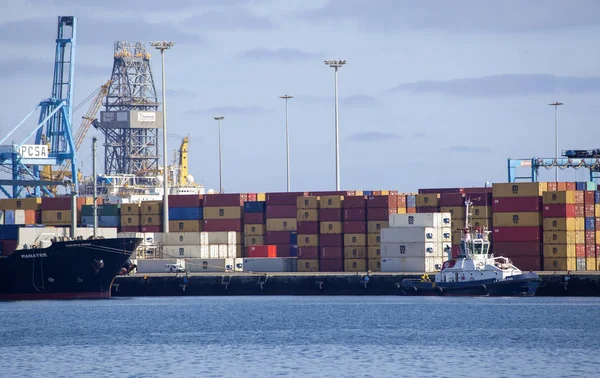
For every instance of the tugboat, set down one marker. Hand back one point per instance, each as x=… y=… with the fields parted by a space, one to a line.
x=475 y=271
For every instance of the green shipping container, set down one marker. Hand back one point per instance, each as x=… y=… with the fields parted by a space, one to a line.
x=591 y=185
x=103 y=210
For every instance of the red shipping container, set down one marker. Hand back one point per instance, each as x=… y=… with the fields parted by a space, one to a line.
x=452 y=199
x=579 y=250
x=184 y=200
x=355 y=214
x=516 y=234
x=252 y=197
x=212 y=225
x=129 y=229
x=331 y=265
x=590 y=250
x=588 y=197
x=218 y=200
x=57 y=203
x=254 y=218
x=380 y=213
x=516 y=204
x=8 y=247
x=530 y=248
x=589 y=210
x=579 y=197
x=441 y=190
x=552 y=187
x=38 y=217
x=333 y=240
x=401 y=200
x=277 y=237
x=284 y=199
x=355 y=202
x=527 y=263
x=428 y=209
x=579 y=210
x=284 y=250
x=355 y=227
x=590 y=237
x=597 y=250
x=387 y=202
x=308 y=252
x=480 y=199
x=308 y=228
x=570 y=185
x=484 y=189
x=281 y=211
x=330 y=215
x=262 y=251
x=331 y=253
x=558 y=211
x=151 y=228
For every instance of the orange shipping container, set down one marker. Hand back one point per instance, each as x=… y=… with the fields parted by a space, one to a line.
x=151 y=220
x=560 y=237
x=517 y=219
x=355 y=240
x=130 y=209
x=307 y=202
x=522 y=189
x=20 y=203
x=282 y=224
x=331 y=227
x=355 y=252
x=559 y=251
x=186 y=226
x=256 y=229
x=130 y=220
x=374 y=252
x=374 y=227
x=355 y=265
x=374 y=264
x=374 y=240
x=56 y=217
x=428 y=200
x=559 y=224
x=227 y=212
x=559 y=264
x=308 y=265
x=456 y=212
x=559 y=198
x=481 y=211
x=308 y=240
x=457 y=224
x=306 y=215
x=331 y=202
x=151 y=208
x=411 y=210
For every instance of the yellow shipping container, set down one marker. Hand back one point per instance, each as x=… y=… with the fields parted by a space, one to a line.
x=151 y=208
x=130 y=209
x=282 y=224
x=53 y=217
x=130 y=220
x=559 y=251
x=254 y=229
x=374 y=240
x=456 y=212
x=385 y=192
x=597 y=210
x=374 y=227
x=355 y=240
x=591 y=264
x=559 y=224
x=355 y=265
x=151 y=220
x=481 y=211
x=20 y=203
x=579 y=224
x=331 y=202
x=331 y=227
x=457 y=223
x=308 y=240
x=186 y=226
x=374 y=264
x=374 y=252
x=311 y=202
x=428 y=200
x=254 y=240
x=227 y=212
x=560 y=198
x=560 y=263
x=355 y=252
x=579 y=237
x=560 y=237
x=517 y=219
x=456 y=237
x=308 y=265
x=481 y=222
x=401 y=210
x=521 y=189
x=598 y=235
x=261 y=197
x=307 y=215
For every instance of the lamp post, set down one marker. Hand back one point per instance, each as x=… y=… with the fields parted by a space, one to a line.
x=556 y=104
x=162 y=46
x=218 y=119
x=287 y=138
x=336 y=64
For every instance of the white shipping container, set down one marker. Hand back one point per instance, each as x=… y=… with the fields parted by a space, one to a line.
x=204 y=252
x=130 y=235
x=223 y=251
x=238 y=264
x=1 y=216
x=272 y=264
x=410 y=235
x=232 y=251
x=205 y=265
x=420 y=220
x=213 y=251
x=411 y=264
x=19 y=216
x=185 y=251
x=411 y=249
x=34 y=235
x=153 y=266
x=153 y=238
x=225 y=237
x=390 y=264
x=182 y=238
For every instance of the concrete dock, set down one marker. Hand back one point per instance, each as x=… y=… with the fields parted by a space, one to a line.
x=343 y=283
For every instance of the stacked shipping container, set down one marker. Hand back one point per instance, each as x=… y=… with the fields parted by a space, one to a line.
x=379 y=209
x=331 y=234
x=308 y=233
x=282 y=225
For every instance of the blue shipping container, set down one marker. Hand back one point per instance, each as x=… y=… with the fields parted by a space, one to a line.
x=368 y=192
x=186 y=213
x=293 y=237
x=254 y=207
x=411 y=200
x=597 y=197
x=590 y=224
x=9 y=232
x=580 y=185
x=294 y=251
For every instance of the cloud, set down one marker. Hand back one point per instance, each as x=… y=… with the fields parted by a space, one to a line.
x=459 y=15
x=468 y=149
x=281 y=54
x=372 y=136
x=17 y=67
x=233 y=19
x=358 y=100
x=231 y=110
x=503 y=85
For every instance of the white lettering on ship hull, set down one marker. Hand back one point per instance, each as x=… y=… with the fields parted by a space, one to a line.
x=33 y=255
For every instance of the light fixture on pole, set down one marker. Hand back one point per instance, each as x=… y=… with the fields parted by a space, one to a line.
x=556 y=104
x=287 y=138
x=218 y=119
x=336 y=64
x=162 y=46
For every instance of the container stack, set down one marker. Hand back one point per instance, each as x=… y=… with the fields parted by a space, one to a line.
x=379 y=209
x=589 y=202
x=454 y=204
x=428 y=202
x=356 y=248
x=331 y=234
x=517 y=221
x=281 y=212
x=186 y=213
x=401 y=204
x=109 y=215
x=20 y=211
x=130 y=218
x=254 y=225
x=308 y=233
x=561 y=225
x=223 y=212
x=151 y=216
x=55 y=211
x=416 y=242
x=411 y=203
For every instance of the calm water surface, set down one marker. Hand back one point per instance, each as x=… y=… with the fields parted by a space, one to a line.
x=301 y=337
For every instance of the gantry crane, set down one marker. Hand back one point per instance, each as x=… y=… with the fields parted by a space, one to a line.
x=574 y=159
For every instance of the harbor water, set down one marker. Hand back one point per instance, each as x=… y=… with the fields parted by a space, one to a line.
x=301 y=336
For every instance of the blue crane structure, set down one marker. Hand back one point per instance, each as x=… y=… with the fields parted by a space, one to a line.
x=54 y=143
x=575 y=159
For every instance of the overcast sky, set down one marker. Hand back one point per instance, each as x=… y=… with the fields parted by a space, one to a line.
x=435 y=93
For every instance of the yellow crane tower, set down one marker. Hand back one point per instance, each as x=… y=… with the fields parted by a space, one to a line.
x=183 y=162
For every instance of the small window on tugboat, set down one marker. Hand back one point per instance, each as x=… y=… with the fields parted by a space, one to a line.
x=477 y=248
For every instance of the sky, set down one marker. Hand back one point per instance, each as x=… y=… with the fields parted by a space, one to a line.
x=434 y=93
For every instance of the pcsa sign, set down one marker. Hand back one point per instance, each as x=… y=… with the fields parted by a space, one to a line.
x=34 y=151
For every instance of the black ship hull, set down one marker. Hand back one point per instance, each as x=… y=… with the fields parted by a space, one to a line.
x=524 y=285
x=78 y=269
